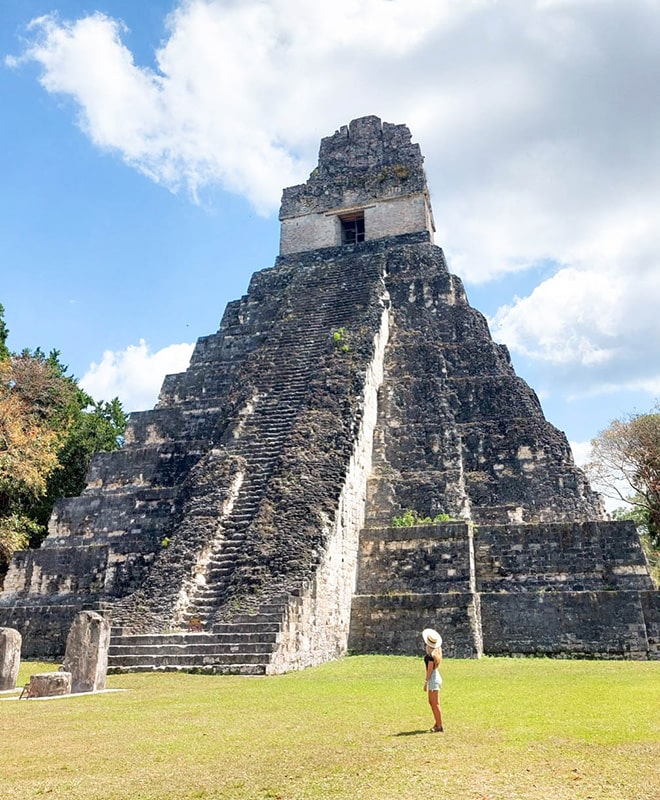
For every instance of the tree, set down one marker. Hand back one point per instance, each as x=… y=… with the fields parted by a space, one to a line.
x=626 y=466
x=32 y=403
x=97 y=427
x=49 y=430
x=4 y=333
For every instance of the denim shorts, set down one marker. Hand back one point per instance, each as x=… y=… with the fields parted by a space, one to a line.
x=435 y=681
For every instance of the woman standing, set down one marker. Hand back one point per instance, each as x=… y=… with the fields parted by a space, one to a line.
x=433 y=682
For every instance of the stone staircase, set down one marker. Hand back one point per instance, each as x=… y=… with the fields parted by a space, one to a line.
x=218 y=638
x=278 y=404
x=304 y=336
x=261 y=449
x=241 y=647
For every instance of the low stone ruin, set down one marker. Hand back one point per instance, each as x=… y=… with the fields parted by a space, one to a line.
x=85 y=662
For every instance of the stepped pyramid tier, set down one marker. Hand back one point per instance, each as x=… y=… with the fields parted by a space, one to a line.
x=245 y=526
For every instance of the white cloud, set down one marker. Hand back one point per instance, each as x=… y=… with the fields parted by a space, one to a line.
x=238 y=86
x=135 y=374
x=581 y=452
x=537 y=325
x=536 y=120
x=598 y=324
x=582 y=456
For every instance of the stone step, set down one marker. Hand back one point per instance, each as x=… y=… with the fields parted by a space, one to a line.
x=212 y=669
x=209 y=592
x=269 y=626
x=202 y=608
x=257 y=618
x=226 y=556
x=213 y=648
x=218 y=568
x=231 y=649
x=186 y=660
x=249 y=494
x=243 y=510
x=235 y=634
x=235 y=539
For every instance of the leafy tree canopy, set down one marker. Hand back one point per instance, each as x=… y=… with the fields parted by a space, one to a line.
x=4 y=333
x=49 y=430
x=625 y=463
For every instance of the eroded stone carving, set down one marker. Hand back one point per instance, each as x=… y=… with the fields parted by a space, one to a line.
x=10 y=658
x=49 y=684
x=86 y=656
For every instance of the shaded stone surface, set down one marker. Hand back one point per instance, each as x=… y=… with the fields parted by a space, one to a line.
x=10 y=658
x=86 y=655
x=572 y=624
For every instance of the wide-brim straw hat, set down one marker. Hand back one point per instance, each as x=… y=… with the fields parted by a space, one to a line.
x=431 y=638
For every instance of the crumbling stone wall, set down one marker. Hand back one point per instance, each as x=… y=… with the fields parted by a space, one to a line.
x=572 y=589
x=589 y=556
x=409 y=578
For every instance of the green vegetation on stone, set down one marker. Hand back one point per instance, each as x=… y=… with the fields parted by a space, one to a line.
x=340 y=337
x=409 y=518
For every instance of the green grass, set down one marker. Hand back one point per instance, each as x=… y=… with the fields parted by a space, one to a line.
x=515 y=729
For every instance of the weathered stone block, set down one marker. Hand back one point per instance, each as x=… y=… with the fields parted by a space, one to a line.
x=86 y=656
x=579 y=556
x=423 y=558
x=393 y=623
x=579 y=624
x=10 y=658
x=50 y=684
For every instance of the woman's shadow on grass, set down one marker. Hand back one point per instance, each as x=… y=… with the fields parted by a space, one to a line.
x=411 y=733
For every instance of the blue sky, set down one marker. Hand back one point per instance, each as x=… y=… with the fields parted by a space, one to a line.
x=144 y=147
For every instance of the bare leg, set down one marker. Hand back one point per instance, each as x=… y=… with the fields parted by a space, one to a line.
x=434 y=702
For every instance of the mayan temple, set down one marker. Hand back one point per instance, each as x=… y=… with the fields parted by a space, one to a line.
x=246 y=525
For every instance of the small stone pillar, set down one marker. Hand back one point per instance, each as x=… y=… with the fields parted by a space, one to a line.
x=86 y=656
x=50 y=684
x=10 y=658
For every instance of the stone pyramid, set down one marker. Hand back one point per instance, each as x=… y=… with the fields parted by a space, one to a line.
x=246 y=525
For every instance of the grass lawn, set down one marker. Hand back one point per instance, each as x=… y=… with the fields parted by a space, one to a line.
x=515 y=729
